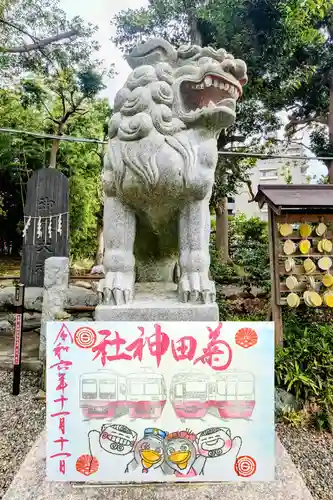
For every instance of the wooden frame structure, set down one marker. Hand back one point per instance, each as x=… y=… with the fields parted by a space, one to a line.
x=295 y=205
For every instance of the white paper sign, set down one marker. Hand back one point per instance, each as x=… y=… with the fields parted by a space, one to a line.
x=169 y=401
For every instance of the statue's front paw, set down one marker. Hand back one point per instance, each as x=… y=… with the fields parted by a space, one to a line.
x=196 y=287
x=117 y=288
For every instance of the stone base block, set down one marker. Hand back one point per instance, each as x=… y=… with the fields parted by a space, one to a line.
x=157 y=302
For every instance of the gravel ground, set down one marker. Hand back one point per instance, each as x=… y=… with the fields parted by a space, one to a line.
x=312 y=454
x=22 y=418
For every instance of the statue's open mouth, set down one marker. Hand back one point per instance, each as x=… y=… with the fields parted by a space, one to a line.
x=212 y=91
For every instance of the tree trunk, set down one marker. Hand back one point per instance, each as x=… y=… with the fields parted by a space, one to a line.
x=55 y=148
x=100 y=249
x=196 y=38
x=330 y=129
x=222 y=236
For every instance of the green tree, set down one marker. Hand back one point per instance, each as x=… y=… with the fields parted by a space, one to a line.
x=81 y=162
x=19 y=156
x=61 y=78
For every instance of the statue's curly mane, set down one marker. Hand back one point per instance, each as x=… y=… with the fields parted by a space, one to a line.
x=148 y=112
x=142 y=107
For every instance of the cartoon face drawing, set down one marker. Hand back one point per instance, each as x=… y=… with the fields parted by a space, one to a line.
x=214 y=442
x=149 y=450
x=117 y=439
x=180 y=451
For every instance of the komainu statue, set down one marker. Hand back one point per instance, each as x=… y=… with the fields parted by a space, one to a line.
x=160 y=164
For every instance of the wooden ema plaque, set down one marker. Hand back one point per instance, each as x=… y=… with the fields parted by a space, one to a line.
x=300 y=224
x=305 y=260
x=46 y=224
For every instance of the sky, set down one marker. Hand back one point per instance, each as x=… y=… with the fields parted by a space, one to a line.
x=100 y=13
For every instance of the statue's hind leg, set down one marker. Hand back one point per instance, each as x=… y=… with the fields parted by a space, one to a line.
x=194 y=229
x=119 y=263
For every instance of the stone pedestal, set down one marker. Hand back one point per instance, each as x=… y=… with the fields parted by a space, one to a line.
x=157 y=302
x=54 y=296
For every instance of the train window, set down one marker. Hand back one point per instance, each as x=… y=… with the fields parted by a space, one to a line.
x=107 y=389
x=245 y=390
x=152 y=389
x=222 y=388
x=232 y=390
x=137 y=388
x=196 y=387
x=89 y=389
x=179 y=390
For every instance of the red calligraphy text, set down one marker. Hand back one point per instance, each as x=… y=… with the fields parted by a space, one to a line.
x=102 y=348
x=218 y=353
x=64 y=335
x=184 y=348
x=138 y=345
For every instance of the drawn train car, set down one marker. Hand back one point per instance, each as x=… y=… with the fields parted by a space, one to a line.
x=102 y=395
x=190 y=394
x=146 y=394
x=234 y=394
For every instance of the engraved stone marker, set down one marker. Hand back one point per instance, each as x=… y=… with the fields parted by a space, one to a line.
x=46 y=224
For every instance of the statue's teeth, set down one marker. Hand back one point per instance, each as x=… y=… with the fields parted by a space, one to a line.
x=211 y=104
x=208 y=81
x=216 y=83
x=221 y=85
x=226 y=86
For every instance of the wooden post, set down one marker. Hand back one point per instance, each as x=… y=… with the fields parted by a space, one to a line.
x=275 y=286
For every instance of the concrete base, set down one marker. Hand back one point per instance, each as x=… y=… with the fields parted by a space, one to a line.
x=157 y=302
x=30 y=484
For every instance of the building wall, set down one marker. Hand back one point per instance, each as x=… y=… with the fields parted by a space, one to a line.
x=273 y=171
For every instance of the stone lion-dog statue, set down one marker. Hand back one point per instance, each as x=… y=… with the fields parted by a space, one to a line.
x=160 y=164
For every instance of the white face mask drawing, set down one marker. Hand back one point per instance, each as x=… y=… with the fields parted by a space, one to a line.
x=214 y=442
x=117 y=439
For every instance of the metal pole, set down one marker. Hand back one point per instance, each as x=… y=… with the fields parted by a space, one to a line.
x=19 y=305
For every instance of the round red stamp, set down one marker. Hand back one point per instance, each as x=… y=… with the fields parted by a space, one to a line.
x=87 y=465
x=246 y=337
x=245 y=466
x=85 y=337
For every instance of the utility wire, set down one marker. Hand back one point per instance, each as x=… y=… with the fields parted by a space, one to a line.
x=40 y=135
x=69 y=138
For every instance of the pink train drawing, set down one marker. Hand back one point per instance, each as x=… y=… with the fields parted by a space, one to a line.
x=102 y=395
x=190 y=394
x=231 y=394
x=234 y=395
x=143 y=395
x=146 y=394
x=107 y=395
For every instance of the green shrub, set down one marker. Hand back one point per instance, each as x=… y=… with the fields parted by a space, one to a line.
x=304 y=367
x=221 y=273
x=249 y=250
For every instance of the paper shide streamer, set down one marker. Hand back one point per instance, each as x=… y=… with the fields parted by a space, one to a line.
x=44 y=227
